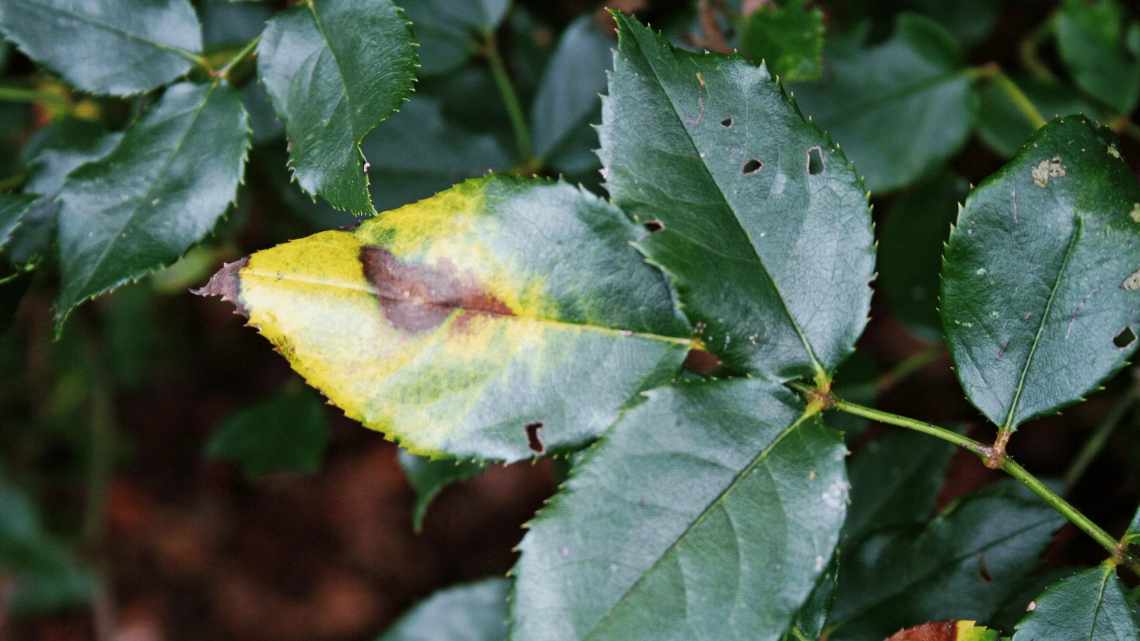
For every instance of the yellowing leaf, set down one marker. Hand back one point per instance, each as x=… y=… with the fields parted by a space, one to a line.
x=946 y=631
x=499 y=319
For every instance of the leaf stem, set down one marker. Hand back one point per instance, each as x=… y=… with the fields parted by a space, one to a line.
x=510 y=98
x=224 y=72
x=17 y=94
x=1008 y=465
x=992 y=72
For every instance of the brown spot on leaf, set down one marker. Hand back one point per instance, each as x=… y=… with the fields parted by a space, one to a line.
x=226 y=284
x=417 y=298
x=701 y=362
x=940 y=631
x=533 y=439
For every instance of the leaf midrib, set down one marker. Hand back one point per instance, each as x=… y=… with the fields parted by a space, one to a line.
x=735 y=215
x=87 y=19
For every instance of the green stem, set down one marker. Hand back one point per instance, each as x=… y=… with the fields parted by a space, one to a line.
x=899 y=372
x=510 y=99
x=16 y=94
x=1008 y=465
x=1099 y=439
x=249 y=47
x=993 y=73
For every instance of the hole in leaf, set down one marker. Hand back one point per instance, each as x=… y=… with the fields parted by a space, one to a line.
x=727 y=122
x=653 y=226
x=1125 y=338
x=751 y=167
x=815 y=161
x=533 y=439
x=984 y=571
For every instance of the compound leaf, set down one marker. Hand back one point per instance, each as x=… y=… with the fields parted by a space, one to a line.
x=472 y=612
x=117 y=47
x=741 y=191
x=1041 y=276
x=1093 y=604
x=499 y=319
x=707 y=511
x=335 y=69
x=161 y=190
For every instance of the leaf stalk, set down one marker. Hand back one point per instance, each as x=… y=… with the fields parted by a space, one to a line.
x=224 y=72
x=993 y=72
x=510 y=99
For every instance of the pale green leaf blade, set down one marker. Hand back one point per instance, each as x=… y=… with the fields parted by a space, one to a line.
x=567 y=97
x=285 y=433
x=117 y=47
x=335 y=69
x=500 y=319
x=472 y=612
x=788 y=37
x=962 y=564
x=1093 y=604
x=428 y=478
x=707 y=511
x=1090 y=39
x=160 y=191
x=742 y=191
x=1059 y=225
x=900 y=108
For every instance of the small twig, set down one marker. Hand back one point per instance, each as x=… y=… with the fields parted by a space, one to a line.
x=991 y=71
x=510 y=98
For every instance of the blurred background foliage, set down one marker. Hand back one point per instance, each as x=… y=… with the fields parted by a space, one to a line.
x=164 y=476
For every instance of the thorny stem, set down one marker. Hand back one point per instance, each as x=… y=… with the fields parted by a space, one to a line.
x=992 y=72
x=249 y=47
x=1099 y=439
x=510 y=98
x=1008 y=465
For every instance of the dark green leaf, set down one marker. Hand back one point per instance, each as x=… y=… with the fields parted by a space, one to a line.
x=901 y=108
x=226 y=23
x=270 y=161
x=812 y=617
x=428 y=477
x=910 y=251
x=1028 y=589
x=788 y=37
x=1042 y=275
x=263 y=120
x=116 y=47
x=418 y=152
x=13 y=208
x=1132 y=536
x=711 y=152
x=335 y=69
x=567 y=96
x=287 y=433
x=1003 y=127
x=963 y=564
x=1091 y=605
x=472 y=612
x=451 y=32
x=895 y=480
x=1090 y=39
x=161 y=190
x=971 y=21
x=707 y=511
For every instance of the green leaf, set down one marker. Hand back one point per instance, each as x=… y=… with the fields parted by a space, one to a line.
x=742 y=192
x=472 y=612
x=1003 y=127
x=910 y=251
x=335 y=69
x=286 y=433
x=1090 y=39
x=1132 y=536
x=451 y=32
x=707 y=511
x=160 y=191
x=1090 y=605
x=428 y=477
x=13 y=209
x=1041 y=276
x=499 y=319
x=812 y=617
x=226 y=23
x=971 y=21
x=116 y=47
x=901 y=108
x=962 y=564
x=567 y=97
x=419 y=152
x=788 y=37
x=895 y=480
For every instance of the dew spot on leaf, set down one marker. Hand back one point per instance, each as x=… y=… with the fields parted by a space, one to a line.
x=1125 y=338
x=815 y=161
x=751 y=167
x=533 y=439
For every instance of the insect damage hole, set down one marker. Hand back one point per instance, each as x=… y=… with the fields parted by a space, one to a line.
x=1125 y=338
x=653 y=226
x=533 y=439
x=815 y=161
x=727 y=122
x=751 y=167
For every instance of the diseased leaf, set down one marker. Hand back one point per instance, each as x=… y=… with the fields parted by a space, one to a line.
x=899 y=109
x=1060 y=226
x=116 y=47
x=750 y=196
x=910 y=251
x=895 y=480
x=162 y=189
x=707 y=511
x=496 y=320
x=788 y=37
x=946 y=631
x=963 y=563
x=286 y=433
x=451 y=32
x=567 y=98
x=1091 y=41
x=428 y=477
x=1003 y=127
x=335 y=69
x=472 y=612
x=1090 y=605
x=419 y=152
